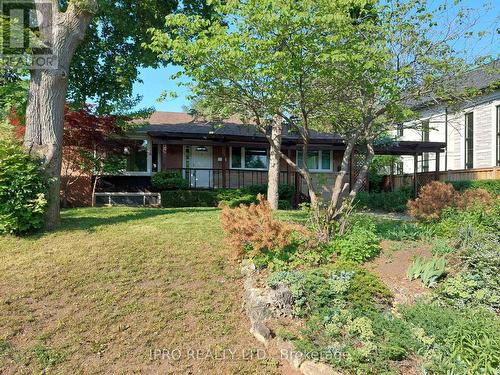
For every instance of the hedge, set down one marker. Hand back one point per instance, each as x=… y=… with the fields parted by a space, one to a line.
x=188 y=198
x=169 y=181
x=395 y=201
x=230 y=197
x=493 y=186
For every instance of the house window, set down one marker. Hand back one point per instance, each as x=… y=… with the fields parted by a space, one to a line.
x=136 y=156
x=400 y=130
x=498 y=136
x=399 y=168
x=469 y=140
x=425 y=162
x=249 y=158
x=317 y=160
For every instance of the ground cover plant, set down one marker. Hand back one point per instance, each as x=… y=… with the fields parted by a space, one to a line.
x=349 y=318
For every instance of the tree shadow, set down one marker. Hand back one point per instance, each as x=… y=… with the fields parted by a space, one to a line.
x=90 y=219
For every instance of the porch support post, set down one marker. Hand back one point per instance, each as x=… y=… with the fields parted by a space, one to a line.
x=288 y=174
x=438 y=156
x=224 y=166
x=415 y=174
x=163 y=158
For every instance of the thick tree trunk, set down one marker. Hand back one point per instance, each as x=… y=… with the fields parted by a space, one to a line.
x=62 y=32
x=44 y=131
x=274 y=165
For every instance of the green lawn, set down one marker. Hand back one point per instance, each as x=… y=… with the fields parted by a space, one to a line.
x=112 y=284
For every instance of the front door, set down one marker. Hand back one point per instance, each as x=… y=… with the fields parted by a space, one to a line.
x=200 y=161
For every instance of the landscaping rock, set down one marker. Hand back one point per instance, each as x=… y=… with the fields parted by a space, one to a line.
x=281 y=301
x=288 y=352
x=261 y=332
x=316 y=368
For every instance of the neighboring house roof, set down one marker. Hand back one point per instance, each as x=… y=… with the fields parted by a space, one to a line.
x=482 y=78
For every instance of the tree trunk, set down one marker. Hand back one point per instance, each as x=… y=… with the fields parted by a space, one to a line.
x=63 y=33
x=274 y=165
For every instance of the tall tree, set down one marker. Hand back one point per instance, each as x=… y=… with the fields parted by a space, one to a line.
x=97 y=44
x=343 y=67
x=262 y=62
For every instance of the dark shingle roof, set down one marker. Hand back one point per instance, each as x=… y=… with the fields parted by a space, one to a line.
x=482 y=78
x=182 y=124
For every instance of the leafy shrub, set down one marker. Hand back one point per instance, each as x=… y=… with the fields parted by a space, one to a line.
x=387 y=201
x=492 y=186
x=218 y=197
x=454 y=222
x=284 y=205
x=22 y=190
x=254 y=228
x=229 y=194
x=429 y=272
x=285 y=191
x=169 y=181
x=245 y=200
x=358 y=244
x=432 y=200
x=188 y=198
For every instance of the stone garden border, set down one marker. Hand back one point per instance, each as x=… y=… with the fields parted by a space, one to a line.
x=257 y=303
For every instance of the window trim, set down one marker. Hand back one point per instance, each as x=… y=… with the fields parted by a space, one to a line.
x=469 y=164
x=149 y=171
x=320 y=158
x=242 y=165
x=400 y=168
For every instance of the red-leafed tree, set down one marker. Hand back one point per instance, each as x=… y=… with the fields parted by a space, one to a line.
x=92 y=146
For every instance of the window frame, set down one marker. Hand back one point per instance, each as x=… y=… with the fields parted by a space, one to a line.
x=469 y=140
x=320 y=160
x=149 y=171
x=400 y=168
x=242 y=162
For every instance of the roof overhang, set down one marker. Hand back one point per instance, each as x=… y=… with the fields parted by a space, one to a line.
x=394 y=148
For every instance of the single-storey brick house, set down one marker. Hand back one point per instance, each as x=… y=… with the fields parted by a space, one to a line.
x=225 y=155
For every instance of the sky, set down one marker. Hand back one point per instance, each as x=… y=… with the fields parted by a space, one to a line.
x=156 y=81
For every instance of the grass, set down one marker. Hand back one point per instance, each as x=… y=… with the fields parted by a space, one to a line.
x=112 y=286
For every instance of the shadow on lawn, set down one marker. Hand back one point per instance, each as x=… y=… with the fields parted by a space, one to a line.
x=89 y=220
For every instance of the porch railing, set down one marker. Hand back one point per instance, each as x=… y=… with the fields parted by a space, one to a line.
x=213 y=178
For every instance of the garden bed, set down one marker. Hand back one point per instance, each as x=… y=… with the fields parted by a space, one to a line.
x=387 y=296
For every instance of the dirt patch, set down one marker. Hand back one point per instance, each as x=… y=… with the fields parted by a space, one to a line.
x=391 y=267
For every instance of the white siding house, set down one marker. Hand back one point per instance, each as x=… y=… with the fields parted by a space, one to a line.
x=471 y=132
